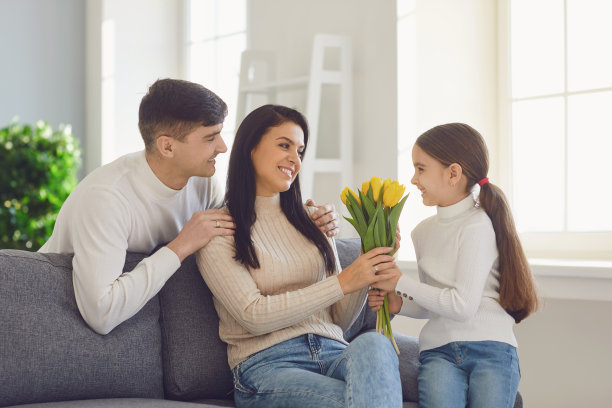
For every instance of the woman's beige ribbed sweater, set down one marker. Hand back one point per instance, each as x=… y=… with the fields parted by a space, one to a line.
x=289 y=295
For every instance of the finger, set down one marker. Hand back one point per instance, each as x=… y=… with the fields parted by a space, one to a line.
x=310 y=202
x=382 y=258
x=329 y=218
x=225 y=224
x=378 y=251
x=333 y=233
x=223 y=232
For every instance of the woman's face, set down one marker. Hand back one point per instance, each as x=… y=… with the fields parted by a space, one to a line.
x=277 y=158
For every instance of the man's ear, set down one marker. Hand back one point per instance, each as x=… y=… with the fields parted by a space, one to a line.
x=456 y=171
x=165 y=146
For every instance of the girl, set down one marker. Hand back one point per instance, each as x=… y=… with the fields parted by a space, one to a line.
x=282 y=301
x=475 y=282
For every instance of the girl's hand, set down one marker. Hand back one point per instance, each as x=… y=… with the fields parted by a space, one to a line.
x=376 y=299
x=363 y=272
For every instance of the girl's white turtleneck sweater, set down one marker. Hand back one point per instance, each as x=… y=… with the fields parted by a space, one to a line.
x=458 y=291
x=289 y=295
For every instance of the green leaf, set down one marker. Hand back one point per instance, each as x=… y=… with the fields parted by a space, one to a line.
x=368 y=204
x=354 y=224
x=394 y=219
x=380 y=230
x=358 y=215
x=368 y=239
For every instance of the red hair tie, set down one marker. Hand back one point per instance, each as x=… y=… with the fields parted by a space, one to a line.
x=483 y=181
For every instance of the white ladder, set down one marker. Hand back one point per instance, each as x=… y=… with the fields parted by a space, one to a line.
x=258 y=77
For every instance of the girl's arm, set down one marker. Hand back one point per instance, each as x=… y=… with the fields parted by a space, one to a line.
x=232 y=285
x=476 y=255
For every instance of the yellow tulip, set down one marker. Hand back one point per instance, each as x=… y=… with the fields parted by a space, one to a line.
x=375 y=184
x=345 y=193
x=365 y=186
x=386 y=184
x=393 y=194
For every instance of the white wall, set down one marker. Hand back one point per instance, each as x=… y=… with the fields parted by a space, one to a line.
x=42 y=74
x=447 y=57
x=130 y=45
x=288 y=27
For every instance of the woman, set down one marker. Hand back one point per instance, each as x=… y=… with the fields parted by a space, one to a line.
x=281 y=298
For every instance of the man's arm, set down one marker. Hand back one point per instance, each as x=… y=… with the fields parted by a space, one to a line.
x=100 y=229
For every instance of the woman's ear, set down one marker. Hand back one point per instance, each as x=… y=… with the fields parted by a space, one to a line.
x=456 y=171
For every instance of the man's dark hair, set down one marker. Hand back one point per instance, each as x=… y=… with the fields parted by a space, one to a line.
x=174 y=108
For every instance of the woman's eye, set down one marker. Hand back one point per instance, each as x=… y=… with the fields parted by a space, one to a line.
x=284 y=145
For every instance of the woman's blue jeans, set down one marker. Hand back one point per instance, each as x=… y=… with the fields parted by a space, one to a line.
x=481 y=374
x=314 y=371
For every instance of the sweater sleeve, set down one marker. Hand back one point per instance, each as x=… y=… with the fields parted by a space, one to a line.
x=232 y=285
x=476 y=254
x=106 y=296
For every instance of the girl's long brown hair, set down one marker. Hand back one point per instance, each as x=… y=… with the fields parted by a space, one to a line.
x=462 y=144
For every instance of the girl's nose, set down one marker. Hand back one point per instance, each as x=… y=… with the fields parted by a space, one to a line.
x=413 y=179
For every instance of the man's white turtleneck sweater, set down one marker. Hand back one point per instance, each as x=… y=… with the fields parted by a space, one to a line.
x=457 y=262
x=122 y=207
x=289 y=295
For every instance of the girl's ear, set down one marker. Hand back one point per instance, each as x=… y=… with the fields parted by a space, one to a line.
x=456 y=171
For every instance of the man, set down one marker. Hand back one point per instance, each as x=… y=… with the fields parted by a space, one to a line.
x=162 y=195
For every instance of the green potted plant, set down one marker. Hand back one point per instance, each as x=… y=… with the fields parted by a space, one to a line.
x=39 y=167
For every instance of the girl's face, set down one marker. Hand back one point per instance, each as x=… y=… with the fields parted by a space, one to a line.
x=277 y=158
x=440 y=185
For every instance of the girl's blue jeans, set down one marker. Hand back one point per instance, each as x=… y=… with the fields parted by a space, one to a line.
x=314 y=371
x=481 y=374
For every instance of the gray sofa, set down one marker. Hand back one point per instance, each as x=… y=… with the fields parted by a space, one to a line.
x=168 y=355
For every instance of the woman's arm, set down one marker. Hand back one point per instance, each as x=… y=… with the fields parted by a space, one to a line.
x=232 y=285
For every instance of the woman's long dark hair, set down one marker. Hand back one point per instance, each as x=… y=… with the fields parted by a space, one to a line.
x=462 y=144
x=240 y=190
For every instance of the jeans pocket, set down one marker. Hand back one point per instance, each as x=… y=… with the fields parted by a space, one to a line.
x=238 y=385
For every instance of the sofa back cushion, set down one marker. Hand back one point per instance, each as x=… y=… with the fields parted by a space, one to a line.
x=195 y=358
x=47 y=351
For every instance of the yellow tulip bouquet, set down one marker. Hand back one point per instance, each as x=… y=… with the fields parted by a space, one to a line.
x=376 y=211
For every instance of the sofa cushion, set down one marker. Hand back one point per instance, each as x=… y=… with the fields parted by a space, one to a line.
x=195 y=358
x=47 y=351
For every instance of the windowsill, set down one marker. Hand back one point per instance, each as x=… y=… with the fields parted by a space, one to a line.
x=562 y=279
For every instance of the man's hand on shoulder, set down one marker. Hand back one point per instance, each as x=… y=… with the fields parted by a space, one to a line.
x=326 y=218
x=199 y=230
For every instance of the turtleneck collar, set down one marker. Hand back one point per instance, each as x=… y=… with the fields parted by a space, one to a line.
x=457 y=209
x=154 y=184
x=267 y=205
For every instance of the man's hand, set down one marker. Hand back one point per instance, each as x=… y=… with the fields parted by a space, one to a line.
x=199 y=230
x=376 y=298
x=326 y=218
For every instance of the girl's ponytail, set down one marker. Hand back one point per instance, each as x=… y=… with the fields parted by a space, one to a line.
x=517 y=292
x=462 y=144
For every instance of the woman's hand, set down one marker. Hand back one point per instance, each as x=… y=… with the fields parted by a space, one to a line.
x=363 y=272
x=388 y=278
x=376 y=298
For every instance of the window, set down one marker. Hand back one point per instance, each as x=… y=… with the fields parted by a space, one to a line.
x=214 y=40
x=556 y=98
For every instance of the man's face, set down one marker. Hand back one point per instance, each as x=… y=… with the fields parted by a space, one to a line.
x=195 y=154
